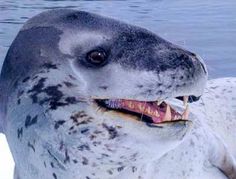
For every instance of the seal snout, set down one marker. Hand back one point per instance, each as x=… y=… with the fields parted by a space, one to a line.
x=182 y=71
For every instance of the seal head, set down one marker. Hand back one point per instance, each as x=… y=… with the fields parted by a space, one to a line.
x=81 y=96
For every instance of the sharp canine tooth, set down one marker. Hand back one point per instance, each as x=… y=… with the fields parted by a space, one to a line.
x=167 y=114
x=186 y=113
x=185 y=100
x=159 y=102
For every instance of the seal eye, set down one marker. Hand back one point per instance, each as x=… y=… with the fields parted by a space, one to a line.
x=96 y=57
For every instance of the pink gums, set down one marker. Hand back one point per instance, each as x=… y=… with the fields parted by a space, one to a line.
x=157 y=113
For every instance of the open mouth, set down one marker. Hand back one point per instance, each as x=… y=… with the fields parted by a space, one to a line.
x=151 y=112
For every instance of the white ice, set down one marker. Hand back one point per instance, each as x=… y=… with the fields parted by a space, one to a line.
x=6 y=160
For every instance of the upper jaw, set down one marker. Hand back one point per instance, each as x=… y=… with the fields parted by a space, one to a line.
x=152 y=112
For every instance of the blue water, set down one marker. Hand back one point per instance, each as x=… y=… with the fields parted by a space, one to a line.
x=207 y=27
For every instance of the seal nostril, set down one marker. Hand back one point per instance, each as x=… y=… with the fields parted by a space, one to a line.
x=200 y=60
x=203 y=67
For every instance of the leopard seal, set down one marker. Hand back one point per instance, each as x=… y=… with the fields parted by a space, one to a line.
x=84 y=96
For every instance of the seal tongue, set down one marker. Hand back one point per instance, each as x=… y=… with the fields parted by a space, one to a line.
x=158 y=113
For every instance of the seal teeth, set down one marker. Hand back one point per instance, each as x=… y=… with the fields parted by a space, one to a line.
x=167 y=116
x=112 y=103
x=185 y=102
x=177 y=117
x=159 y=102
x=185 y=114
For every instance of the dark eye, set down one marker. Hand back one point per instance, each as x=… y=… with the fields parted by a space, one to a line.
x=96 y=57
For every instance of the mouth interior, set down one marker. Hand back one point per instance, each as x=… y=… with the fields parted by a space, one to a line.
x=152 y=112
